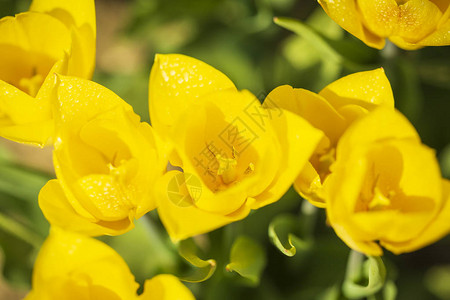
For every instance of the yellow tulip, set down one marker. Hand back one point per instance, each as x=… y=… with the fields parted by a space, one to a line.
x=235 y=154
x=331 y=111
x=386 y=188
x=53 y=37
x=73 y=266
x=409 y=24
x=106 y=161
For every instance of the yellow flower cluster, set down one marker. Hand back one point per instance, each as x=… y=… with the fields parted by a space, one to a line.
x=213 y=153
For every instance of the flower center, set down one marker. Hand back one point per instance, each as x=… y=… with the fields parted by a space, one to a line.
x=227 y=169
x=31 y=85
x=325 y=162
x=379 y=200
x=322 y=162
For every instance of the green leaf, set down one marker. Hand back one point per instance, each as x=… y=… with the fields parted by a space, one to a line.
x=280 y=233
x=310 y=35
x=363 y=279
x=20 y=231
x=8 y=291
x=316 y=40
x=203 y=270
x=247 y=258
x=20 y=182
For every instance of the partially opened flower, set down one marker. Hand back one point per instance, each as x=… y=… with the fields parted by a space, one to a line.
x=235 y=154
x=73 y=266
x=54 y=36
x=410 y=24
x=386 y=188
x=106 y=161
x=331 y=111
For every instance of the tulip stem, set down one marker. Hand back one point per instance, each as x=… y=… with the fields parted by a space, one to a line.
x=354 y=265
x=309 y=218
x=20 y=231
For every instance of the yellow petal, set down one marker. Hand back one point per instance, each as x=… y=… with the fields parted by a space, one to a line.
x=382 y=123
x=443 y=5
x=310 y=106
x=176 y=81
x=381 y=17
x=82 y=53
x=346 y=14
x=80 y=100
x=418 y=19
x=79 y=16
x=24 y=118
x=440 y=37
x=36 y=134
x=59 y=212
x=182 y=222
x=68 y=257
x=36 y=33
x=363 y=246
x=437 y=229
x=368 y=89
x=309 y=186
x=165 y=287
x=71 y=12
x=298 y=140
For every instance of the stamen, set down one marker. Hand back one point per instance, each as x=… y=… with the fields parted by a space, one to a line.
x=227 y=168
x=250 y=169
x=31 y=85
x=379 y=200
x=325 y=162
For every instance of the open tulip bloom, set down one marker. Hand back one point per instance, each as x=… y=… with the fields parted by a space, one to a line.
x=52 y=37
x=74 y=266
x=235 y=154
x=332 y=111
x=386 y=187
x=410 y=24
x=105 y=159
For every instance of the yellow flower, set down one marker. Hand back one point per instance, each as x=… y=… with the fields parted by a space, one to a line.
x=332 y=111
x=72 y=266
x=386 y=188
x=236 y=155
x=105 y=159
x=410 y=24
x=53 y=37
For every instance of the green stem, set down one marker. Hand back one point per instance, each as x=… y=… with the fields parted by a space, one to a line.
x=354 y=265
x=20 y=231
x=309 y=219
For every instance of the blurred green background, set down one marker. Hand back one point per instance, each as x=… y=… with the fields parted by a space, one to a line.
x=239 y=38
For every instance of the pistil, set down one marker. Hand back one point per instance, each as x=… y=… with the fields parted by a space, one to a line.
x=31 y=85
